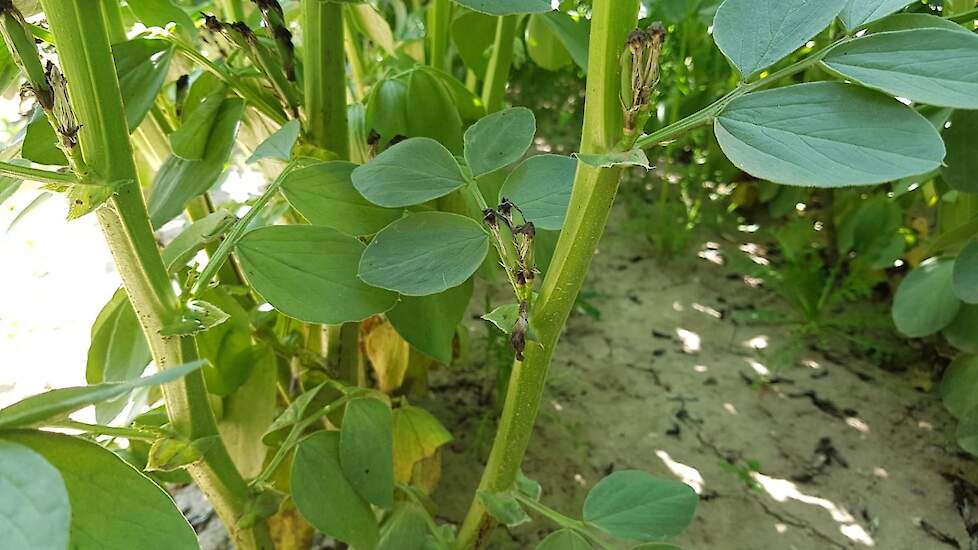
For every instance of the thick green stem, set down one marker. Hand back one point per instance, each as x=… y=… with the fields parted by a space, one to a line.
x=497 y=73
x=439 y=21
x=83 y=49
x=325 y=76
x=591 y=201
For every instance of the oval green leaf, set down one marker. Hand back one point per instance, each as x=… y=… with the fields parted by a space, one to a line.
x=925 y=302
x=142 y=65
x=425 y=253
x=962 y=333
x=827 y=134
x=279 y=145
x=139 y=513
x=310 y=273
x=33 y=500
x=859 y=12
x=431 y=110
x=412 y=172
x=934 y=66
x=543 y=46
x=499 y=140
x=635 y=505
x=324 y=194
x=755 y=34
x=565 y=539
x=442 y=312
x=965 y=278
x=541 y=187
x=324 y=496
x=387 y=109
x=365 y=450
x=959 y=387
x=507 y=7
x=405 y=529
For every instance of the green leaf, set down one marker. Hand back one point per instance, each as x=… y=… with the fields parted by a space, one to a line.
x=424 y=253
x=387 y=108
x=755 y=34
x=635 y=505
x=228 y=347
x=908 y=21
x=827 y=134
x=474 y=35
x=113 y=507
x=293 y=413
x=324 y=194
x=859 y=12
x=965 y=277
x=412 y=172
x=33 y=500
x=575 y=34
x=142 y=65
x=543 y=46
x=469 y=105
x=564 y=539
x=507 y=7
x=961 y=166
x=40 y=142
x=405 y=529
x=60 y=402
x=324 y=496
x=967 y=433
x=249 y=412
x=195 y=237
x=417 y=435
x=278 y=146
x=118 y=351
x=925 y=302
x=504 y=317
x=527 y=487
x=431 y=110
x=190 y=141
x=180 y=180
x=195 y=316
x=365 y=450
x=959 y=387
x=159 y=13
x=934 y=66
x=962 y=333
x=504 y=508
x=168 y=454
x=541 y=187
x=374 y=26
x=310 y=273
x=499 y=140
x=442 y=313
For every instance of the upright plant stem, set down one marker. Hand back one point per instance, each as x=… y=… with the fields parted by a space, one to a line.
x=497 y=73
x=439 y=21
x=587 y=215
x=326 y=127
x=83 y=49
x=325 y=76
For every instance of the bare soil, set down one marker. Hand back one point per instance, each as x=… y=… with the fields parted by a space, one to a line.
x=837 y=453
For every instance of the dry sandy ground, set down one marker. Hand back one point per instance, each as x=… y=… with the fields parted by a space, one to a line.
x=848 y=455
